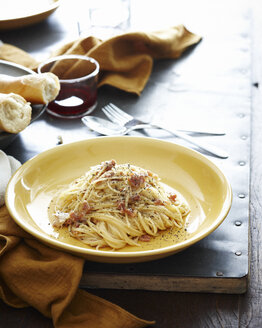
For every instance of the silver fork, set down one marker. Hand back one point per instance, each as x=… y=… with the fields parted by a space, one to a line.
x=116 y=115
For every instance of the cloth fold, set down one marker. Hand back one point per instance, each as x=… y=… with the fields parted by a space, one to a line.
x=32 y=274
x=125 y=60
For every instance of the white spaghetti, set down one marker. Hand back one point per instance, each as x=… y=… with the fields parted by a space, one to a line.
x=117 y=205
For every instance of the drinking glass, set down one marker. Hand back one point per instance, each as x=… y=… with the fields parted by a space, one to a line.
x=78 y=76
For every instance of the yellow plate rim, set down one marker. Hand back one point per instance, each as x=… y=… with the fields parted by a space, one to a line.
x=30 y=19
x=109 y=254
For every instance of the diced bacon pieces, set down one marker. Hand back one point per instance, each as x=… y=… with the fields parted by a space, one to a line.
x=129 y=211
x=136 y=181
x=108 y=165
x=159 y=202
x=121 y=205
x=59 y=219
x=86 y=208
x=135 y=198
x=173 y=197
x=145 y=238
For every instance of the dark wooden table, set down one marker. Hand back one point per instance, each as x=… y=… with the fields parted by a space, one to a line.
x=218 y=22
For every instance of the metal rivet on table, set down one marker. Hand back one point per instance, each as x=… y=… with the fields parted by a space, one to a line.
x=238 y=223
x=219 y=274
x=242 y=163
x=241 y=196
x=241 y=115
x=238 y=253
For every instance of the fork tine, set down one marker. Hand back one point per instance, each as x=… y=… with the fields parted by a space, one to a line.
x=121 y=112
x=113 y=115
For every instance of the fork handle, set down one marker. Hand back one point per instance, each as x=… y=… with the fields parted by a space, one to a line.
x=204 y=146
x=194 y=132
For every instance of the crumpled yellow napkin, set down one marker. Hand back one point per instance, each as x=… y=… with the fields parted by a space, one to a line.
x=32 y=274
x=125 y=60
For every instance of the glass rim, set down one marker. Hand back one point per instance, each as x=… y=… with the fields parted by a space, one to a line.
x=78 y=79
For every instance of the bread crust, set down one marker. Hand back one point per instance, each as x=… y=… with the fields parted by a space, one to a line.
x=35 y=88
x=15 y=113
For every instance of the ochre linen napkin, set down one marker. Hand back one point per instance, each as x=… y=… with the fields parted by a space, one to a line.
x=32 y=274
x=125 y=60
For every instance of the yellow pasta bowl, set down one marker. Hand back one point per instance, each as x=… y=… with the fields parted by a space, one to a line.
x=197 y=179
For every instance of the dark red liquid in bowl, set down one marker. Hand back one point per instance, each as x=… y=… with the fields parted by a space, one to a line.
x=74 y=101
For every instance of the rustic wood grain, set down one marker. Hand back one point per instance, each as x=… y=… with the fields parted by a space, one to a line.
x=22 y=318
x=164 y=283
x=178 y=310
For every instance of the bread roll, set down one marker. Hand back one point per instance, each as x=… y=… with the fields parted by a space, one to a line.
x=35 y=88
x=15 y=113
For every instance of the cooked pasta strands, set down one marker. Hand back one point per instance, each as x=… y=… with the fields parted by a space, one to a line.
x=116 y=205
